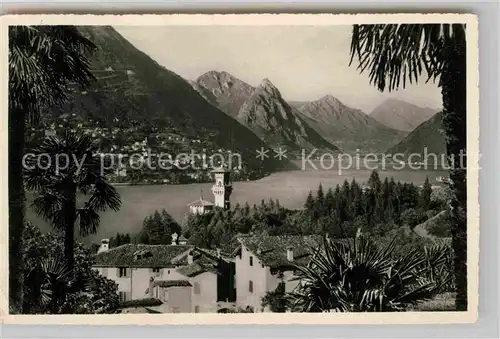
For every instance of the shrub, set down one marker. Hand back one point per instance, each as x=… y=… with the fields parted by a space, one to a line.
x=146 y=302
x=50 y=289
x=359 y=275
x=277 y=300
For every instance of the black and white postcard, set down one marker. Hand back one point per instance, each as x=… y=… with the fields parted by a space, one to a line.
x=216 y=169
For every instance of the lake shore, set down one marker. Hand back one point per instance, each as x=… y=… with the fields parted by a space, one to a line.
x=289 y=187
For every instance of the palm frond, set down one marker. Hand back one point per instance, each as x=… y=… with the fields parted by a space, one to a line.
x=88 y=221
x=49 y=205
x=44 y=61
x=361 y=275
x=396 y=53
x=104 y=195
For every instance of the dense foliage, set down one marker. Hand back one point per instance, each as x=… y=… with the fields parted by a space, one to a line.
x=278 y=301
x=50 y=289
x=157 y=229
x=141 y=303
x=120 y=239
x=359 y=275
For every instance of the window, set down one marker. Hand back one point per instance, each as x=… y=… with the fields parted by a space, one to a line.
x=156 y=271
x=196 y=288
x=197 y=309
x=122 y=272
x=168 y=272
x=251 y=261
x=250 y=286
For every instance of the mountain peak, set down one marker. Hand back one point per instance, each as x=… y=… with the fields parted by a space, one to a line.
x=267 y=86
x=217 y=75
x=330 y=99
x=267 y=83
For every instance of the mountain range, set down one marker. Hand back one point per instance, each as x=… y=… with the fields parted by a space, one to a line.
x=262 y=109
x=135 y=90
x=322 y=122
x=401 y=115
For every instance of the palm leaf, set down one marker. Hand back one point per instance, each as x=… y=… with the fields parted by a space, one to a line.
x=396 y=53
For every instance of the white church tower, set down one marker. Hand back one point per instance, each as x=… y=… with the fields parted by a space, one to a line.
x=222 y=188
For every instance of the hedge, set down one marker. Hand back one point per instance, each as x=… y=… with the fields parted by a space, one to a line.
x=141 y=303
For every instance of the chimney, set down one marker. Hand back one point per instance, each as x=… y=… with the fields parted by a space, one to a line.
x=151 y=287
x=289 y=253
x=175 y=236
x=104 y=246
x=190 y=257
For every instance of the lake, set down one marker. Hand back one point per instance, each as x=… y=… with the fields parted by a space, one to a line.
x=290 y=188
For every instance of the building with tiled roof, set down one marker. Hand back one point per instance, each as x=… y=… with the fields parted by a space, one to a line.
x=200 y=206
x=221 y=190
x=185 y=278
x=263 y=262
x=200 y=203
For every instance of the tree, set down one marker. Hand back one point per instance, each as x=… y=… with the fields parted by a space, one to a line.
x=309 y=205
x=330 y=202
x=57 y=186
x=158 y=228
x=395 y=53
x=120 y=239
x=374 y=181
x=360 y=276
x=412 y=217
x=278 y=300
x=425 y=195
x=43 y=62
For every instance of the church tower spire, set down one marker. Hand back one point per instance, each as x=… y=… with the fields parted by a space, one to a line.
x=222 y=188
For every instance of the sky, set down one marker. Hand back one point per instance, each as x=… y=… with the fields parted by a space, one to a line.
x=303 y=62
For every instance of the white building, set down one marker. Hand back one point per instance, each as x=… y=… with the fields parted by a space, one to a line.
x=185 y=278
x=221 y=190
x=200 y=206
x=222 y=187
x=263 y=262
